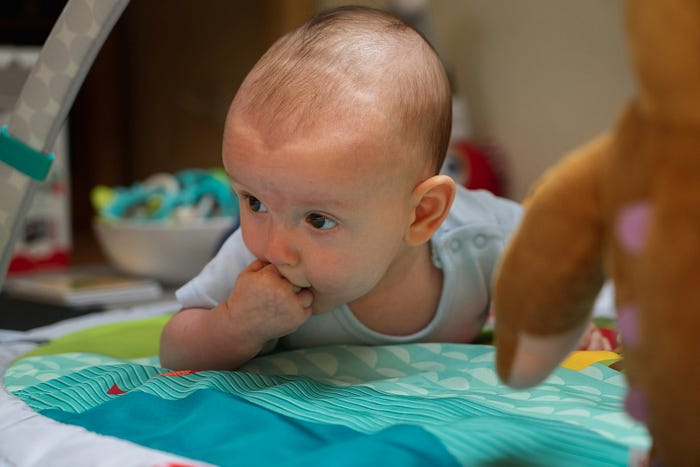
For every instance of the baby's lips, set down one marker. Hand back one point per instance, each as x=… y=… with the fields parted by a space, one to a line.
x=298 y=289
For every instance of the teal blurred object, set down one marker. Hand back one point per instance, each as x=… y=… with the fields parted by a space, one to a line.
x=185 y=196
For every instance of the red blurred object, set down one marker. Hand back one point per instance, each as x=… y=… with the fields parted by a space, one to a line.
x=611 y=336
x=475 y=166
x=24 y=263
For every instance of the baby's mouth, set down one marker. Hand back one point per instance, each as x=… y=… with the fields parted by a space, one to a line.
x=299 y=288
x=296 y=285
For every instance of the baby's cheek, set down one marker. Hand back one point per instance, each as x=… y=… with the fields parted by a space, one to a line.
x=340 y=278
x=333 y=291
x=252 y=241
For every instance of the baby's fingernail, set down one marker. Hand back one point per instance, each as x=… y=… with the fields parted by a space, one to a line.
x=296 y=289
x=309 y=301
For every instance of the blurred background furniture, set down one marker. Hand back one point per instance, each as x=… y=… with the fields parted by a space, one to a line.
x=539 y=78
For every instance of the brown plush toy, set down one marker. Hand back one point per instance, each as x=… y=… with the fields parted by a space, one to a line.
x=626 y=206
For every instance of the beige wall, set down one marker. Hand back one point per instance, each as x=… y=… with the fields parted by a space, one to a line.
x=540 y=77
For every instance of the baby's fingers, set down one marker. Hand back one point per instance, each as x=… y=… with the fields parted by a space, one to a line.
x=306 y=298
x=255 y=266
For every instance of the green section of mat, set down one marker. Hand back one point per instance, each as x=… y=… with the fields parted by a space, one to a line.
x=124 y=340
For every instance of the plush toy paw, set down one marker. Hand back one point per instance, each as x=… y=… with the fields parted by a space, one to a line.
x=628 y=206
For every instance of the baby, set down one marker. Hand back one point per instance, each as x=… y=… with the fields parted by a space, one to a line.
x=349 y=235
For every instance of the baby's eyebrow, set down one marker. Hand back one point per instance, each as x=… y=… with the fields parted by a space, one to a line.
x=236 y=185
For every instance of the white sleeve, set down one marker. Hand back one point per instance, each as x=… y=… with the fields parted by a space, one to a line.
x=214 y=283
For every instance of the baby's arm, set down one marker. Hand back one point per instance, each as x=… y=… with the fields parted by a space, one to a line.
x=263 y=305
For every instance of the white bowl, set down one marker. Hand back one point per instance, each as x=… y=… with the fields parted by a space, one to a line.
x=170 y=253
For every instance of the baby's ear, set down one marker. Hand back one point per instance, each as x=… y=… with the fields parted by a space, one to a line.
x=432 y=199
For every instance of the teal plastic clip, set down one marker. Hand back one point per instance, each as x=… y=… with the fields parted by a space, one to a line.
x=23 y=158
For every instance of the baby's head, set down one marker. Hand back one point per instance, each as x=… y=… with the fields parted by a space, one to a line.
x=345 y=64
x=333 y=143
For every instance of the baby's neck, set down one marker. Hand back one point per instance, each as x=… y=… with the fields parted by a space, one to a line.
x=405 y=303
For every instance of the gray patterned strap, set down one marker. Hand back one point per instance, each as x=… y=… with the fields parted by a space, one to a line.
x=45 y=100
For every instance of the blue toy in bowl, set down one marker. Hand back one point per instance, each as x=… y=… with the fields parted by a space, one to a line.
x=181 y=197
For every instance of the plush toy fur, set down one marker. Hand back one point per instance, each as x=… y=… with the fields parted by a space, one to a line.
x=626 y=206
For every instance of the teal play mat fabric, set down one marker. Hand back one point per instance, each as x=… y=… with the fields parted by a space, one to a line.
x=417 y=404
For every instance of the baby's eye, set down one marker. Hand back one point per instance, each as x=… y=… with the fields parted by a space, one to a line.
x=319 y=221
x=255 y=204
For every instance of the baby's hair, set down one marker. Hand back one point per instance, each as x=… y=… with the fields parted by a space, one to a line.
x=348 y=51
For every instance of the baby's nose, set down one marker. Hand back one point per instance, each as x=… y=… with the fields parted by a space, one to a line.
x=280 y=249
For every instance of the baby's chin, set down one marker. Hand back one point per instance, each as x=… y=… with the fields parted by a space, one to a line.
x=323 y=303
x=321 y=306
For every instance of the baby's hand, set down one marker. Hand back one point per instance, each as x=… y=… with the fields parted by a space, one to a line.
x=265 y=304
x=593 y=339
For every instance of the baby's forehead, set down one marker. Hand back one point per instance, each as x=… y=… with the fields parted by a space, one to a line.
x=358 y=120
x=324 y=100
x=362 y=134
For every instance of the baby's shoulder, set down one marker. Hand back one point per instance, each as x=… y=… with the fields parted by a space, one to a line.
x=481 y=207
